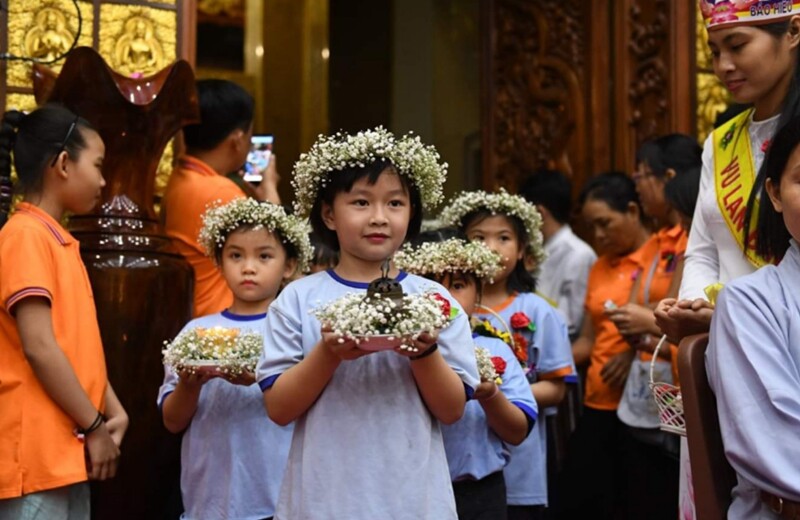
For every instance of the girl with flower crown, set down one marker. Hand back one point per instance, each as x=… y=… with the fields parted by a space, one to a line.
x=257 y=248
x=501 y=414
x=367 y=441
x=511 y=226
x=754 y=50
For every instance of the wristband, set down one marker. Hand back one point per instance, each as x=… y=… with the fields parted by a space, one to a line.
x=433 y=348
x=95 y=425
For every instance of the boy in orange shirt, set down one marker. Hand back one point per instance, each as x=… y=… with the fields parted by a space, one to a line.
x=215 y=147
x=61 y=422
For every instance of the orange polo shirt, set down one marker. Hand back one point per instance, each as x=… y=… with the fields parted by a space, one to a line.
x=192 y=188
x=38 y=449
x=611 y=279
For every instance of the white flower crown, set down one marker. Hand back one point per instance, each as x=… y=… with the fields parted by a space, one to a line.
x=451 y=256
x=220 y=220
x=418 y=162
x=499 y=203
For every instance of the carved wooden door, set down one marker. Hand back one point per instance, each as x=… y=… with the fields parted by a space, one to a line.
x=577 y=85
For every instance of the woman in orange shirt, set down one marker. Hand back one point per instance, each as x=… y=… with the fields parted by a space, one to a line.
x=611 y=207
x=61 y=422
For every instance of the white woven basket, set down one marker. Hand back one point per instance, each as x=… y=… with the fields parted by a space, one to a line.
x=668 y=398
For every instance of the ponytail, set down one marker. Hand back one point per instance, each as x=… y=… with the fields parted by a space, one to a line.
x=8 y=136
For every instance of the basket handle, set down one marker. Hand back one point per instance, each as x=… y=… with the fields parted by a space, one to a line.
x=502 y=322
x=655 y=356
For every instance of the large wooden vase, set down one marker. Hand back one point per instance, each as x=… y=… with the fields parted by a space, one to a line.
x=143 y=290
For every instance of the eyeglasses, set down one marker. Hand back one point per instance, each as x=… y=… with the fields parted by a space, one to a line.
x=64 y=143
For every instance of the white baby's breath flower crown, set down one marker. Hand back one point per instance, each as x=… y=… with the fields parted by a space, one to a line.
x=221 y=219
x=451 y=256
x=499 y=203
x=418 y=162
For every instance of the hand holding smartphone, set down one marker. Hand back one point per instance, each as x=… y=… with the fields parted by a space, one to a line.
x=258 y=158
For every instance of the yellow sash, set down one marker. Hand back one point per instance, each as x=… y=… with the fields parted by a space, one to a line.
x=734 y=177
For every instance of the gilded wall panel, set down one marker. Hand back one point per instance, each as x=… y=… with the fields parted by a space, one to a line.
x=44 y=30
x=22 y=102
x=712 y=96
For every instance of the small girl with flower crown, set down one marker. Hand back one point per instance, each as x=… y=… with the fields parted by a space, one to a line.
x=511 y=226
x=503 y=411
x=232 y=456
x=367 y=441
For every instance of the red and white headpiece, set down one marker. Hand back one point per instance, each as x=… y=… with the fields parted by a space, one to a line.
x=726 y=13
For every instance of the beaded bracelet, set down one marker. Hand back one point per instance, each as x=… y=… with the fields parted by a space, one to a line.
x=433 y=348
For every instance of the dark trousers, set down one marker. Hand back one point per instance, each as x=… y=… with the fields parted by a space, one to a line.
x=651 y=477
x=591 y=481
x=483 y=499
x=526 y=512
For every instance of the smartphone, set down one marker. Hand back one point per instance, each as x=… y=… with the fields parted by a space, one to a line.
x=258 y=157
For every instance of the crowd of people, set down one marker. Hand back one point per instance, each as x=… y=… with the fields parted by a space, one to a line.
x=693 y=239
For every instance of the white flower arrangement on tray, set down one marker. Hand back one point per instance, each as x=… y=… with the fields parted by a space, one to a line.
x=487 y=366
x=450 y=256
x=222 y=219
x=380 y=322
x=419 y=162
x=216 y=349
x=499 y=203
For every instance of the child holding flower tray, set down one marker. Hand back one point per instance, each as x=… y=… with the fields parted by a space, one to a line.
x=511 y=226
x=367 y=441
x=233 y=456
x=502 y=413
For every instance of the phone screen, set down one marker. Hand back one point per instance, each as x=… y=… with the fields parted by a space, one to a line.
x=258 y=158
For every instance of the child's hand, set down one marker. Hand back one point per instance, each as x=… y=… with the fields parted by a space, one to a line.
x=103 y=454
x=485 y=390
x=246 y=378
x=117 y=426
x=343 y=348
x=423 y=342
x=195 y=380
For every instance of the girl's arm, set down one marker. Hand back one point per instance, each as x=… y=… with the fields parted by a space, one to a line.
x=55 y=374
x=549 y=392
x=438 y=384
x=116 y=417
x=505 y=419
x=297 y=389
x=582 y=347
x=180 y=406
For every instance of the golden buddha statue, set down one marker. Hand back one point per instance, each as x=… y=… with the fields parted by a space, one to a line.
x=137 y=51
x=49 y=37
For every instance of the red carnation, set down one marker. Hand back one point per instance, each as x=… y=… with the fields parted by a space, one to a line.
x=444 y=302
x=519 y=320
x=499 y=365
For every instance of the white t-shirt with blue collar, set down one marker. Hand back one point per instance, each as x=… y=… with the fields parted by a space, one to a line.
x=368 y=448
x=232 y=455
x=473 y=450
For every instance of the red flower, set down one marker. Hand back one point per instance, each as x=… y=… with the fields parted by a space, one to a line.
x=444 y=302
x=499 y=365
x=519 y=320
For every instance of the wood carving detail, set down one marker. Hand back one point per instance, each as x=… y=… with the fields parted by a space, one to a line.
x=648 y=90
x=537 y=69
